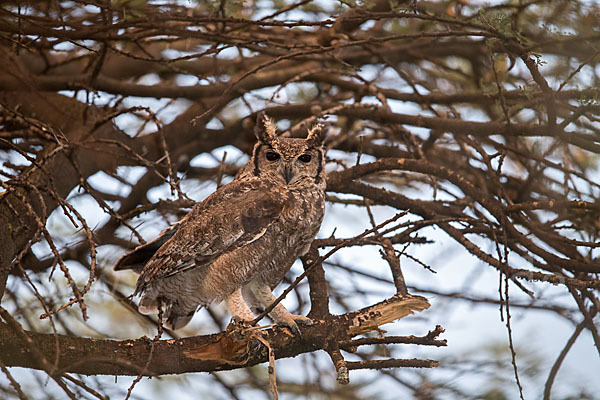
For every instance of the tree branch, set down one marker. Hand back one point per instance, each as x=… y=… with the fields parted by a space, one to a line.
x=216 y=352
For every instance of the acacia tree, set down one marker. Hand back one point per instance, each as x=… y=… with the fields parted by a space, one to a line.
x=481 y=121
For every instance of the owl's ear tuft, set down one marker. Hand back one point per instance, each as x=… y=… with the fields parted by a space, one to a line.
x=265 y=129
x=316 y=135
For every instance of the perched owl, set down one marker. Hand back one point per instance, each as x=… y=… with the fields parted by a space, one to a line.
x=240 y=241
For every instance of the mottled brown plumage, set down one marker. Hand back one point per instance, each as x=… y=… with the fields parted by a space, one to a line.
x=240 y=241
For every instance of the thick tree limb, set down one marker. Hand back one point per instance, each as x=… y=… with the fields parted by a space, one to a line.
x=221 y=351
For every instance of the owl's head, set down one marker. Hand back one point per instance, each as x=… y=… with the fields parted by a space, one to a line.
x=288 y=161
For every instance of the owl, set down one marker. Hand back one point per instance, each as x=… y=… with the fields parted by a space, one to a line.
x=237 y=244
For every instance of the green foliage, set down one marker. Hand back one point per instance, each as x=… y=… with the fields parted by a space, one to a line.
x=503 y=24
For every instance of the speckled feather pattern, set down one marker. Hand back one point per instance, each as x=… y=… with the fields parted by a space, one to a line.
x=245 y=235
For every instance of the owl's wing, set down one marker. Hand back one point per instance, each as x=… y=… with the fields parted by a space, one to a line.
x=138 y=257
x=233 y=217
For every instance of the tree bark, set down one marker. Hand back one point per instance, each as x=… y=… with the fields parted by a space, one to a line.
x=221 y=351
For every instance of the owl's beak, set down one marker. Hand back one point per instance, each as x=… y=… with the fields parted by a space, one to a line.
x=287 y=173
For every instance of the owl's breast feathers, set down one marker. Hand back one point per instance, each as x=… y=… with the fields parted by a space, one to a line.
x=233 y=217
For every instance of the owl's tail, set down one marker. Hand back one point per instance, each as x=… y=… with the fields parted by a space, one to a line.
x=173 y=317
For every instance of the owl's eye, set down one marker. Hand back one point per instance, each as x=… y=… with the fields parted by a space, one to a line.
x=305 y=158
x=272 y=156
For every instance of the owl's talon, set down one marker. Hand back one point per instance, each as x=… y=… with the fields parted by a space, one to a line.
x=239 y=325
x=292 y=326
x=255 y=346
x=301 y=319
x=296 y=331
x=238 y=328
x=240 y=322
x=291 y=322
